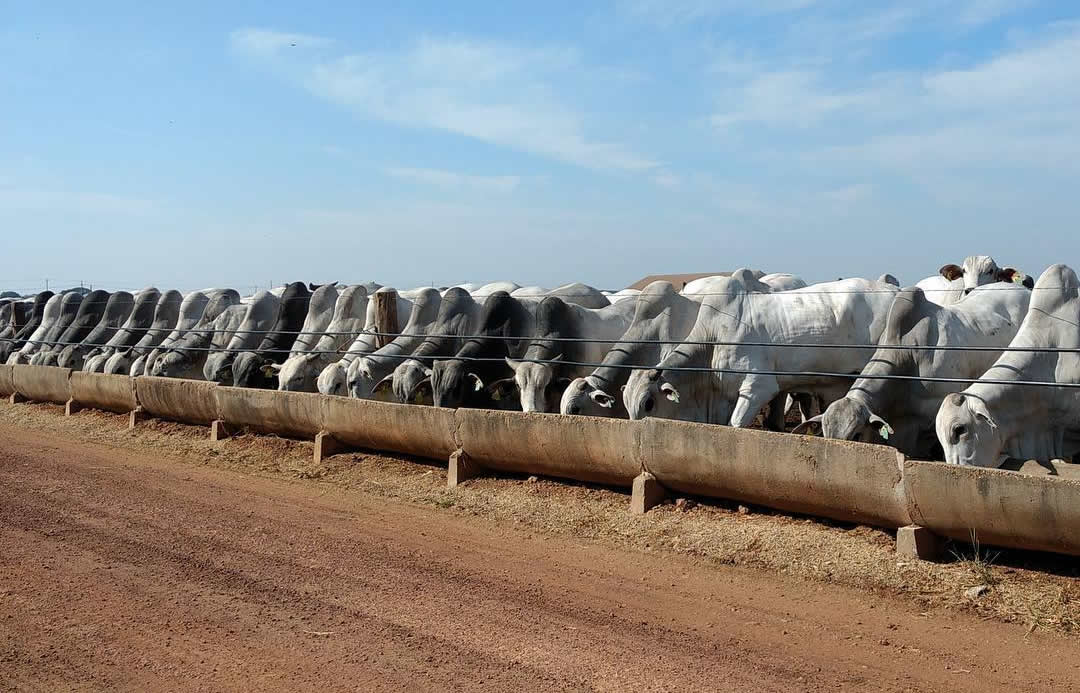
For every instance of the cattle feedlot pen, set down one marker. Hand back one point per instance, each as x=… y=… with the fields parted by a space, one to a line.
x=687 y=369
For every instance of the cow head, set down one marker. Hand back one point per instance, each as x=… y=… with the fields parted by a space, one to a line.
x=979 y=270
x=583 y=397
x=119 y=363
x=453 y=384
x=334 y=380
x=299 y=373
x=848 y=419
x=218 y=367
x=71 y=356
x=363 y=384
x=967 y=432
x=651 y=392
x=537 y=386
x=411 y=382
x=250 y=369
x=172 y=364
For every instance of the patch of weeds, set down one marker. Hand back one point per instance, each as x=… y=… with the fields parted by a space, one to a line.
x=980 y=563
x=445 y=503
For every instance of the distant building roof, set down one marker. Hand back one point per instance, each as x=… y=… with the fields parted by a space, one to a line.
x=677 y=280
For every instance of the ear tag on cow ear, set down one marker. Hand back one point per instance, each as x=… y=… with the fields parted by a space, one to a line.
x=478 y=386
x=1018 y=278
x=885 y=431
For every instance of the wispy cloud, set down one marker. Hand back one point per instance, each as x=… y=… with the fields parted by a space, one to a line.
x=451 y=179
x=267 y=43
x=495 y=92
x=1016 y=108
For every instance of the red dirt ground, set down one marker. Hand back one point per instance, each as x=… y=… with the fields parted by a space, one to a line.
x=121 y=569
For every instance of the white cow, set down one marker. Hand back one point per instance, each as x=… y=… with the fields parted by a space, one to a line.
x=166 y=315
x=54 y=309
x=184 y=352
x=334 y=378
x=902 y=412
x=261 y=315
x=187 y=357
x=661 y=314
x=747 y=321
x=990 y=420
x=953 y=282
x=779 y=281
x=134 y=328
x=539 y=386
x=301 y=370
x=366 y=371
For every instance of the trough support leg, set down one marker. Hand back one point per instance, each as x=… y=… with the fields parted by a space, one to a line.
x=647 y=494
x=17 y=398
x=918 y=542
x=218 y=431
x=461 y=469
x=136 y=416
x=71 y=408
x=327 y=445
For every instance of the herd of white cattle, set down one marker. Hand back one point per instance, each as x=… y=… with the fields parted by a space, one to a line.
x=973 y=365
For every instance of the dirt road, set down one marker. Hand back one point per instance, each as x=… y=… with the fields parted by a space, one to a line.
x=123 y=570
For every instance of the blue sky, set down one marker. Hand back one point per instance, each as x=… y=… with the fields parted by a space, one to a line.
x=213 y=144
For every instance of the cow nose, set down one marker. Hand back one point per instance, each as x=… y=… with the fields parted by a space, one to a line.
x=574 y=409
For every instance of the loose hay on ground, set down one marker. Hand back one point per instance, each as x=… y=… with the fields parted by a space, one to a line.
x=1038 y=590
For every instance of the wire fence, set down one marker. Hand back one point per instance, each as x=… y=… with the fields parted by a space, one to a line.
x=559 y=362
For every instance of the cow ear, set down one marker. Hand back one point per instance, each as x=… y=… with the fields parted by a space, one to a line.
x=669 y=390
x=271 y=370
x=1029 y=281
x=602 y=398
x=421 y=389
x=951 y=272
x=383 y=386
x=881 y=425
x=810 y=427
x=502 y=389
x=478 y=383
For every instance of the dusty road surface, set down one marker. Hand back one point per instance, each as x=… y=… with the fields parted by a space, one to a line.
x=123 y=569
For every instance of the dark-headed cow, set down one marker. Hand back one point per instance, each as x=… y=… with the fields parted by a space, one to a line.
x=35 y=329
x=369 y=369
x=117 y=309
x=31 y=321
x=566 y=335
x=259 y=317
x=301 y=370
x=166 y=315
x=333 y=379
x=249 y=368
x=133 y=329
x=506 y=322
x=87 y=316
x=661 y=314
